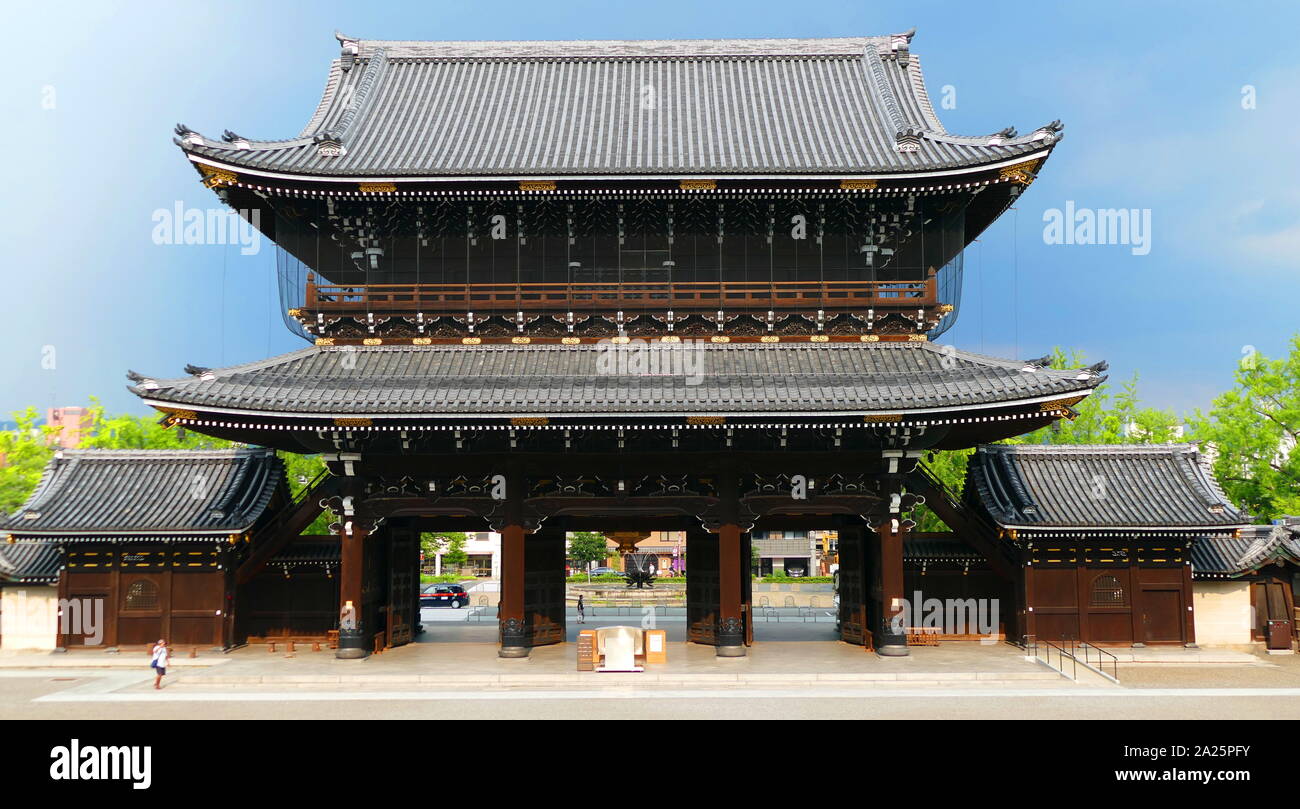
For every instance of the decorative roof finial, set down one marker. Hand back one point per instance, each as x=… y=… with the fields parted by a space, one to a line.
x=188 y=136
x=351 y=49
x=1050 y=133
x=898 y=45
x=235 y=140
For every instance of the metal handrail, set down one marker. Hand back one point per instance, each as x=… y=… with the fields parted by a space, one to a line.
x=1104 y=658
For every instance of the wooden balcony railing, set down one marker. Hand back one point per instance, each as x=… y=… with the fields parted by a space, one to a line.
x=443 y=299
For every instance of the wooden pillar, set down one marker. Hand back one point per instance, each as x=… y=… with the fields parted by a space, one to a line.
x=1030 y=627
x=1189 y=613
x=890 y=637
x=1083 y=588
x=353 y=641
x=731 y=602
x=701 y=587
x=510 y=614
x=1135 y=600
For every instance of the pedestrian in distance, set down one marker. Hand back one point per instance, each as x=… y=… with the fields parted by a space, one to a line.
x=582 y=610
x=159 y=657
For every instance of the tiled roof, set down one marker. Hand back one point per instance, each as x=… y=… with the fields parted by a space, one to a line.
x=589 y=379
x=1254 y=547
x=674 y=107
x=939 y=548
x=30 y=562
x=308 y=551
x=95 y=493
x=1098 y=486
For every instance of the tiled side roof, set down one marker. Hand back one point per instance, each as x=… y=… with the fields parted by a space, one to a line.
x=686 y=107
x=30 y=562
x=92 y=492
x=589 y=379
x=1255 y=547
x=307 y=551
x=1098 y=486
x=939 y=548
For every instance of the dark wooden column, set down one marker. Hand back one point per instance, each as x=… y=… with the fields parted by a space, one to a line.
x=510 y=613
x=544 y=587
x=701 y=586
x=854 y=583
x=890 y=636
x=732 y=612
x=353 y=642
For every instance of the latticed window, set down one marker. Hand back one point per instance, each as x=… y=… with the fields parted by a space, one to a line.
x=1107 y=591
x=142 y=595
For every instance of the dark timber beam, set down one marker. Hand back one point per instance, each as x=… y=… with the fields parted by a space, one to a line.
x=959 y=517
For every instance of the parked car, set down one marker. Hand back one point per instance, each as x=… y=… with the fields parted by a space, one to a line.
x=443 y=595
x=604 y=571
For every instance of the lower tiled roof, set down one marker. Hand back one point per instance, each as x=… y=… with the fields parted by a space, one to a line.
x=1253 y=547
x=1119 y=486
x=171 y=494
x=637 y=378
x=30 y=562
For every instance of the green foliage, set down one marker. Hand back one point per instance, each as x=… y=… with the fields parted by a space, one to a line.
x=446 y=578
x=301 y=471
x=796 y=579
x=587 y=547
x=141 y=432
x=451 y=544
x=1253 y=431
x=26 y=450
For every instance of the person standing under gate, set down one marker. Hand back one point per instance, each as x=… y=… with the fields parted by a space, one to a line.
x=582 y=610
x=159 y=656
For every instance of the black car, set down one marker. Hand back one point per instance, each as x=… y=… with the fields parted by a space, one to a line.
x=443 y=595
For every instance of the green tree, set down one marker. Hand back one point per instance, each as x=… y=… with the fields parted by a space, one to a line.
x=125 y=431
x=1103 y=418
x=25 y=450
x=587 y=547
x=301 y=470
x=451 y=544
x=1253 y=433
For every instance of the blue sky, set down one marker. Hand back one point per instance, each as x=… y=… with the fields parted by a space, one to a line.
x=1150 y=94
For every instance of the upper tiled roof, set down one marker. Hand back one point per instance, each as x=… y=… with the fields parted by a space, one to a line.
x=594 y=108
x=30 y=562
x=90 y=493
x=1098 y=486
x=1254 y=547
x=591 y=380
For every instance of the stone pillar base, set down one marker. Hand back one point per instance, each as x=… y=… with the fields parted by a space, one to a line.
x=512 y=652
x=352 y=646
x=730 y=651
x=893 y=650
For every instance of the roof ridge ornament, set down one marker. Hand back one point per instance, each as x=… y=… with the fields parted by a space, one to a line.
x=1002 y=136
x=908 y=139
x=188 y=136
x=1048 y=134
x=899 y=44
x=238 y=141
x=351 y=49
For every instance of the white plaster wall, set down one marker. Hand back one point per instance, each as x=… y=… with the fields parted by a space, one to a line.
x=1222 y=612
x=29 y=617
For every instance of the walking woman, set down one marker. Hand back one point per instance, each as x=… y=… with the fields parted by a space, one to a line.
x=158 y=661
x=582 y=610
